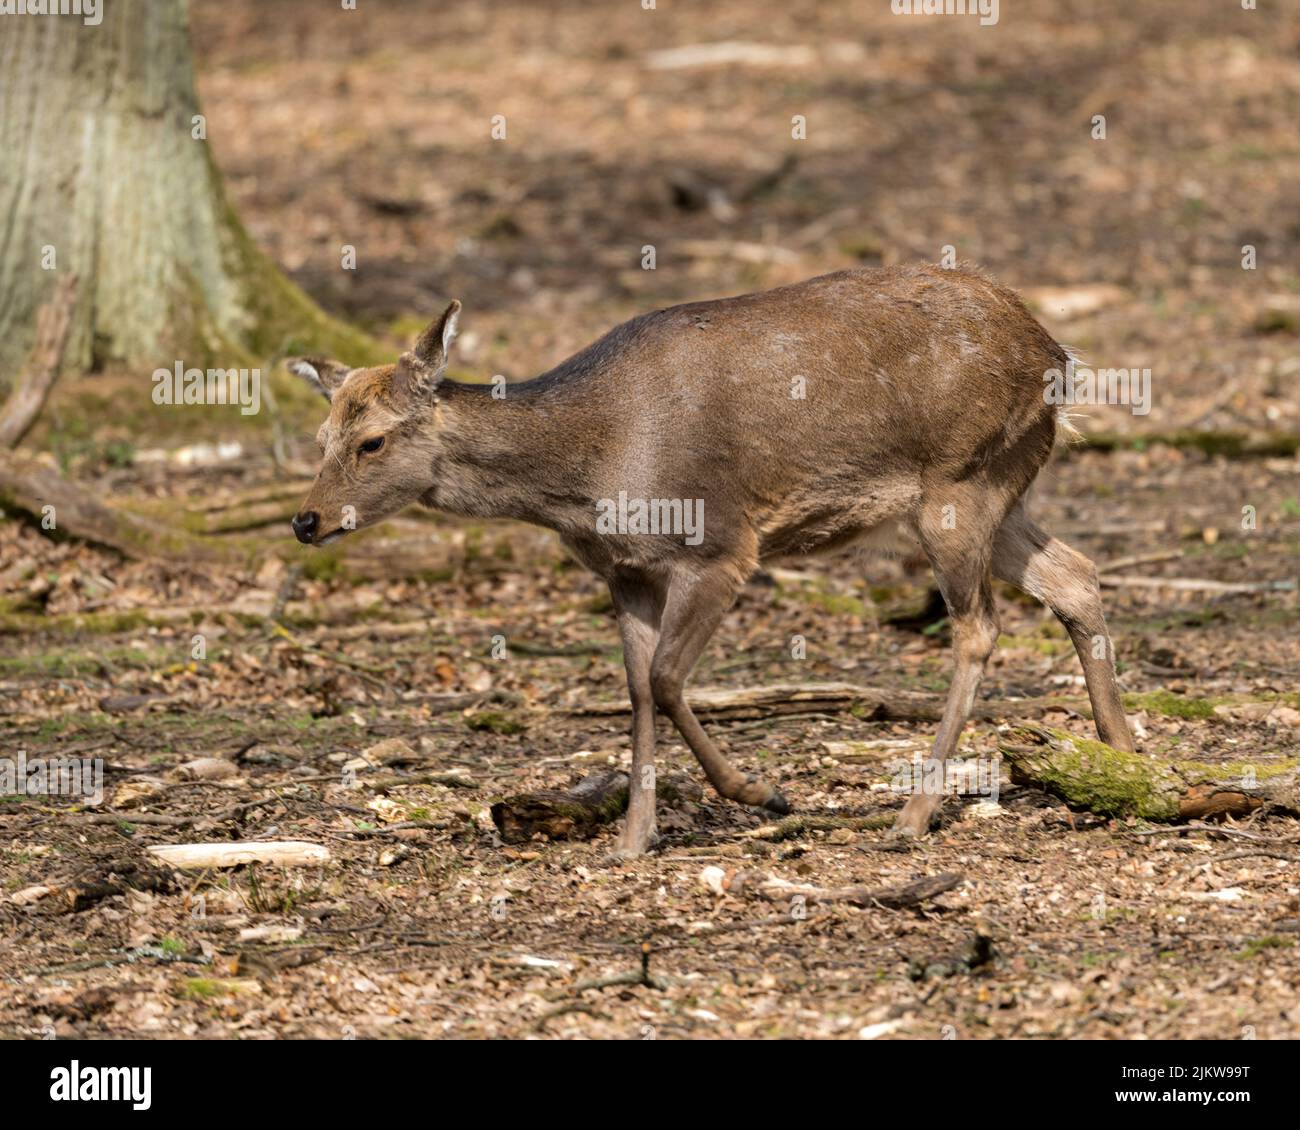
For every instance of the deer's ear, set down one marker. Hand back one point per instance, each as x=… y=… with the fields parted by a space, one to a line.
x=414 y=379
x=321 y=373
x=434 y=346
x=419 y=370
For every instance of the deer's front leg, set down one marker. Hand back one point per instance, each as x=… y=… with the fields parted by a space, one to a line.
x=693 y=606
x=638 y=607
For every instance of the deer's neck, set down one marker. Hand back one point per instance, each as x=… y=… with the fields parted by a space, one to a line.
x=525 y=456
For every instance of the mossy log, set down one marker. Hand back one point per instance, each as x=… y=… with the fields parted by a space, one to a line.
x=577 y=813
x=1090 y=774
x=71 y=508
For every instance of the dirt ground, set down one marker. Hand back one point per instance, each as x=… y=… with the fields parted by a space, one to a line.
x=288 y=667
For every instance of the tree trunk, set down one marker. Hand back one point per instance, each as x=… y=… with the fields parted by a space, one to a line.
x=101 y=175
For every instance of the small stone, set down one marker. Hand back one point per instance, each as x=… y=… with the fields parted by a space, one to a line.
x=392 y=855
x=983 y=810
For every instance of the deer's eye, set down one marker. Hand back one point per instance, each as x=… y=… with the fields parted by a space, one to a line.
x=373 y=444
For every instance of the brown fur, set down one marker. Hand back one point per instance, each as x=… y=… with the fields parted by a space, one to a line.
x=923 y=415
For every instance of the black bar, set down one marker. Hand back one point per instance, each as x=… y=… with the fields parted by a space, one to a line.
x=298 y=1078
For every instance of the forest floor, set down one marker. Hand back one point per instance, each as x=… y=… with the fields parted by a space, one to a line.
x=233 y=702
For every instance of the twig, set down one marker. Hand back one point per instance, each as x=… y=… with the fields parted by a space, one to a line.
x=712 y=930
x=577 y=649
x=1224 y=830
x=1194 y=584
x=1139 y=559
x=780 y=890
x=1248 y=853
x=112 y=816
x=793 y=826
x=131 y=957
x=628 y=977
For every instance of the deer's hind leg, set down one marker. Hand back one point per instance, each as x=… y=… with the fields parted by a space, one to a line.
x=1062 y=578
x=956 y=526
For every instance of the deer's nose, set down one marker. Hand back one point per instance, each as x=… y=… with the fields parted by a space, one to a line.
x=304 y=526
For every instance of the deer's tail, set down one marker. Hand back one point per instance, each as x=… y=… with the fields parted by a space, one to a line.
x=1067 y=434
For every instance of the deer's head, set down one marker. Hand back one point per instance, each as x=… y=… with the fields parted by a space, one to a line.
x=379 y=445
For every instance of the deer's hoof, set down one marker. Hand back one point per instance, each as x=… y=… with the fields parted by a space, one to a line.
x=626 y=850
x=911 y=825
x=919 y=813
x=777 y=803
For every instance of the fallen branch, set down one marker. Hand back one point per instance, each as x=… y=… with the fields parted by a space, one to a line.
x=253 y=496
x=130 y=957
x=400 y=780
x=112 y=816
x=1215 y=830
x=31 y=486
x=630 y=977
x=756 y=884
x=281 y=853
x=1195 y=584
x=233 y=520
x=868 y=703
x=1139 y=559
x=1251 y=853
x=1090 y=774
x=729 y=53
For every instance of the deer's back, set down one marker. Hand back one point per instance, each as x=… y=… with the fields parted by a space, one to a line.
x=810 y=411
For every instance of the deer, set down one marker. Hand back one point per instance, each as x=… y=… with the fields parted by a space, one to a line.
x=883 y=408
